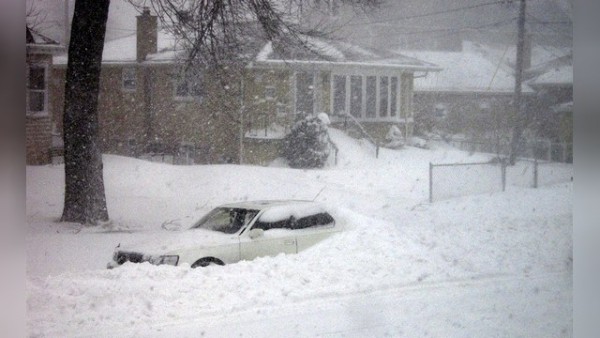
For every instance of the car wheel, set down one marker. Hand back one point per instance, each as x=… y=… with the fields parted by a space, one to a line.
x=204 y=262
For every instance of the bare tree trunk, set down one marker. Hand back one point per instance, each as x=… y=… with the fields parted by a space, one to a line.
x=85 y=201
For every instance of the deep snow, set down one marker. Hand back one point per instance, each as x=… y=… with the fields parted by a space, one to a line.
x=494 y=264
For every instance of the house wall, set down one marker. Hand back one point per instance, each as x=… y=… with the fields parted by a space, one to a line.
x=38 y=128
x=120 y=112
x=151 y=119
x=470 y=113
x=38 y=136
x=549 y=124
x=211 y=123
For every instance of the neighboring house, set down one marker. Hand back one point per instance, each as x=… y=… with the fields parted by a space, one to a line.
x=150 y=105
x=470 y=96
x=39 y=115
x=554 y=108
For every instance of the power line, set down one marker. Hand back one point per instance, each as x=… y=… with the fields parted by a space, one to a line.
x=453 y=10
x=448 y=31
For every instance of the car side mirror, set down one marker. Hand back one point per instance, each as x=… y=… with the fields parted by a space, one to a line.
x=255 y=233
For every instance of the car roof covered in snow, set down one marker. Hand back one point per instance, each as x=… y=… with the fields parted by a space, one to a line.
x=275 y=210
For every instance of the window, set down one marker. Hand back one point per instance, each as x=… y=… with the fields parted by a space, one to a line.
x=129 y=79
x=485 y=107
x=339 y=94
x=316 y=220
x=371 y=99
x=269 y=92
x=440 y=110
x=188 y=85
x=393 y=96
x=356 y=95
x=367 y=96
x=383 y=96
x=281 y=109
x=37 y=93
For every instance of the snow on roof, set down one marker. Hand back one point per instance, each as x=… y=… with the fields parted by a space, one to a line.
x=124 y=49
x=463 y=72
x=39 y=43
x=328 y=52
x=540 y=54
x=319 y=52
x=562 y=75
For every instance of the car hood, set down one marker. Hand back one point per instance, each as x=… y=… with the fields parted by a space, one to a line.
x=165 y=243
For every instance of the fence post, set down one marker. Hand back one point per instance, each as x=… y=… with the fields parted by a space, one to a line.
x=430 y=182
x=535 y=173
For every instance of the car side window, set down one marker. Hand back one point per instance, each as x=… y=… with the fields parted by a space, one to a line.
x=317 y=220
x=283 y=224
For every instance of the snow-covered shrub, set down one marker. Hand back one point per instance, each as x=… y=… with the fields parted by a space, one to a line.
x=394 y=138
x=306 y=146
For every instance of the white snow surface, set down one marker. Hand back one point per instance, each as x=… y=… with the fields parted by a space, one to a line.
x=487 y=265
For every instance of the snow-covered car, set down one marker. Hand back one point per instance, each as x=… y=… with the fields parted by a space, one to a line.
x=234 y=232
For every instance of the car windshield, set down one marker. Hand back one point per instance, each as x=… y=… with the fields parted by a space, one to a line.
x=227 y=220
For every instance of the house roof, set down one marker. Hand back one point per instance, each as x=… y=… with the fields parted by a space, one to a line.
x=558 y=76
x=327 y=53
x=464 y=71
x=37 y=43
x=263 y=53
x=123 y=50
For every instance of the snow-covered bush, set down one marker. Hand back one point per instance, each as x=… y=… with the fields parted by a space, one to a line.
x=394 y=138
x=306 y=146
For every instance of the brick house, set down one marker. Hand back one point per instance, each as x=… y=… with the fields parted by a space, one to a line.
x=39 y=115
x=471 y=96
x=150 y=105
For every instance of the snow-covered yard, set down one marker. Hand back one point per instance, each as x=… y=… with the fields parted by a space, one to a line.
x=488 y=265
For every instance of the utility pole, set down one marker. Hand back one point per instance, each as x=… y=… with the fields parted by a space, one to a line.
x=519 y=117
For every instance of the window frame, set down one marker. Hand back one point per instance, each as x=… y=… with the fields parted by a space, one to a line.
x=270 y=93
x=388 y=96
x=187 y=75
x=45 y=111
x=126 y=73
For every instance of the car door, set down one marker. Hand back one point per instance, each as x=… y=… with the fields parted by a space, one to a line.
x=277 y=237
x=312 y=229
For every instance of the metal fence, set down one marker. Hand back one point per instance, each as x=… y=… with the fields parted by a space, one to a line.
x=448 y=180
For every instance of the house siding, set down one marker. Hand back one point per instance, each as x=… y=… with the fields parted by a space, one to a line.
x=464 y=112
x=38 y=135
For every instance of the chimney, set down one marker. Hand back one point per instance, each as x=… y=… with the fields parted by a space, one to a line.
x=147 y=34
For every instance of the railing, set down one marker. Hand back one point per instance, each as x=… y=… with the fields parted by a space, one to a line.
x=362 y=130
x=335 y=149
